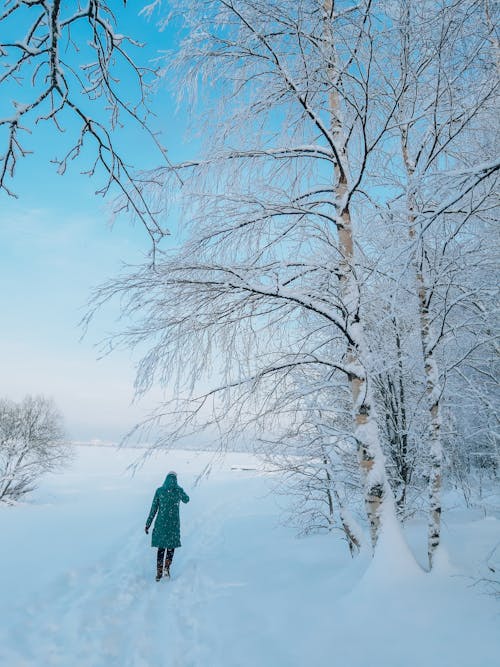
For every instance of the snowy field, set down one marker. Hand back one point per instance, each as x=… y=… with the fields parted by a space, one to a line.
x=78 y=590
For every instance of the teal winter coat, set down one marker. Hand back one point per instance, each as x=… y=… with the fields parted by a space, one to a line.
x=165 y=506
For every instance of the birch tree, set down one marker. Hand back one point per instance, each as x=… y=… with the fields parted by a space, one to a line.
x=442 y=53
x=269 y=209
x=319 y=123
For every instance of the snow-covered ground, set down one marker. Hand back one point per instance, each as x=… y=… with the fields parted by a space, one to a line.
x=78 y=590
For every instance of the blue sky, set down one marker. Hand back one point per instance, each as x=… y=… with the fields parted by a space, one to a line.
x=56 y=244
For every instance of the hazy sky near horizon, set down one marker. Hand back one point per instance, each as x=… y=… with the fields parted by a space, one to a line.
x=56 y=245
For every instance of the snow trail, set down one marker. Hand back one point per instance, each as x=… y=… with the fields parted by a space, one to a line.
x=244 y=591
x=114 y=612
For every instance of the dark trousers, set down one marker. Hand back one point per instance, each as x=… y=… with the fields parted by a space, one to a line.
x=168 y=560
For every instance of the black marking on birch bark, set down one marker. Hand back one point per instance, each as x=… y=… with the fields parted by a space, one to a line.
x=376 y=491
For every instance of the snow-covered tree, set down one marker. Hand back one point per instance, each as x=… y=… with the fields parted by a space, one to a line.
x=323 y=227
x=448 y=183
x=64 y=66
x=270 y=251
x=32 y=442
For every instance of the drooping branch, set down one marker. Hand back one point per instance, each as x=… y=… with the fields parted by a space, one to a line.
x=68 y=70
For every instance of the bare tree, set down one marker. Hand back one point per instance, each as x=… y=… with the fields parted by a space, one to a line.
x=271 y=236
x=442 y=50
x=324 y=125
x=31 y=444
x=399 y=394
x=313 y=457
x=63 y=63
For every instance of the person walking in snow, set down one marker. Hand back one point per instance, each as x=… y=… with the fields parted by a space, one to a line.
x=167 y=529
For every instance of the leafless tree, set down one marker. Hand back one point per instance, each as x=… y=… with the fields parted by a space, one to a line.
x=447 y=90
x=63 y=63
x=315 y=461
x=272 y=240
x=32 y=442
x=339 y=166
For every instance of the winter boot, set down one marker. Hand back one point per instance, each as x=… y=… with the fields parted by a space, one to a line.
x=168 y=562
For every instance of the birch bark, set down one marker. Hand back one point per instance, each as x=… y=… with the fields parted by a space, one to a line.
x=377 y=492
x=431 y=371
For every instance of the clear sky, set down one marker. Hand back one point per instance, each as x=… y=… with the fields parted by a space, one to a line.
x=56 y=244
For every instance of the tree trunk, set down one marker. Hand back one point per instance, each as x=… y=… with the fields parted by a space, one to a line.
x=370 y=455
x=404 y=467
x=431 y=371
x=348 y=524
x=433 y=392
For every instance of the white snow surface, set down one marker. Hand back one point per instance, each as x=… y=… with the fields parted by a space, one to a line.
x=78 y=590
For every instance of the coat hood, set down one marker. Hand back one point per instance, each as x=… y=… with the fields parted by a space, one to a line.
x=170 y=481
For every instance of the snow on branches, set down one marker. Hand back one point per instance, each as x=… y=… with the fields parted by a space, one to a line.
x=64 y=63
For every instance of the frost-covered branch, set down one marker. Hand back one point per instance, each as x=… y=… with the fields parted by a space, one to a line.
x=63 y=63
